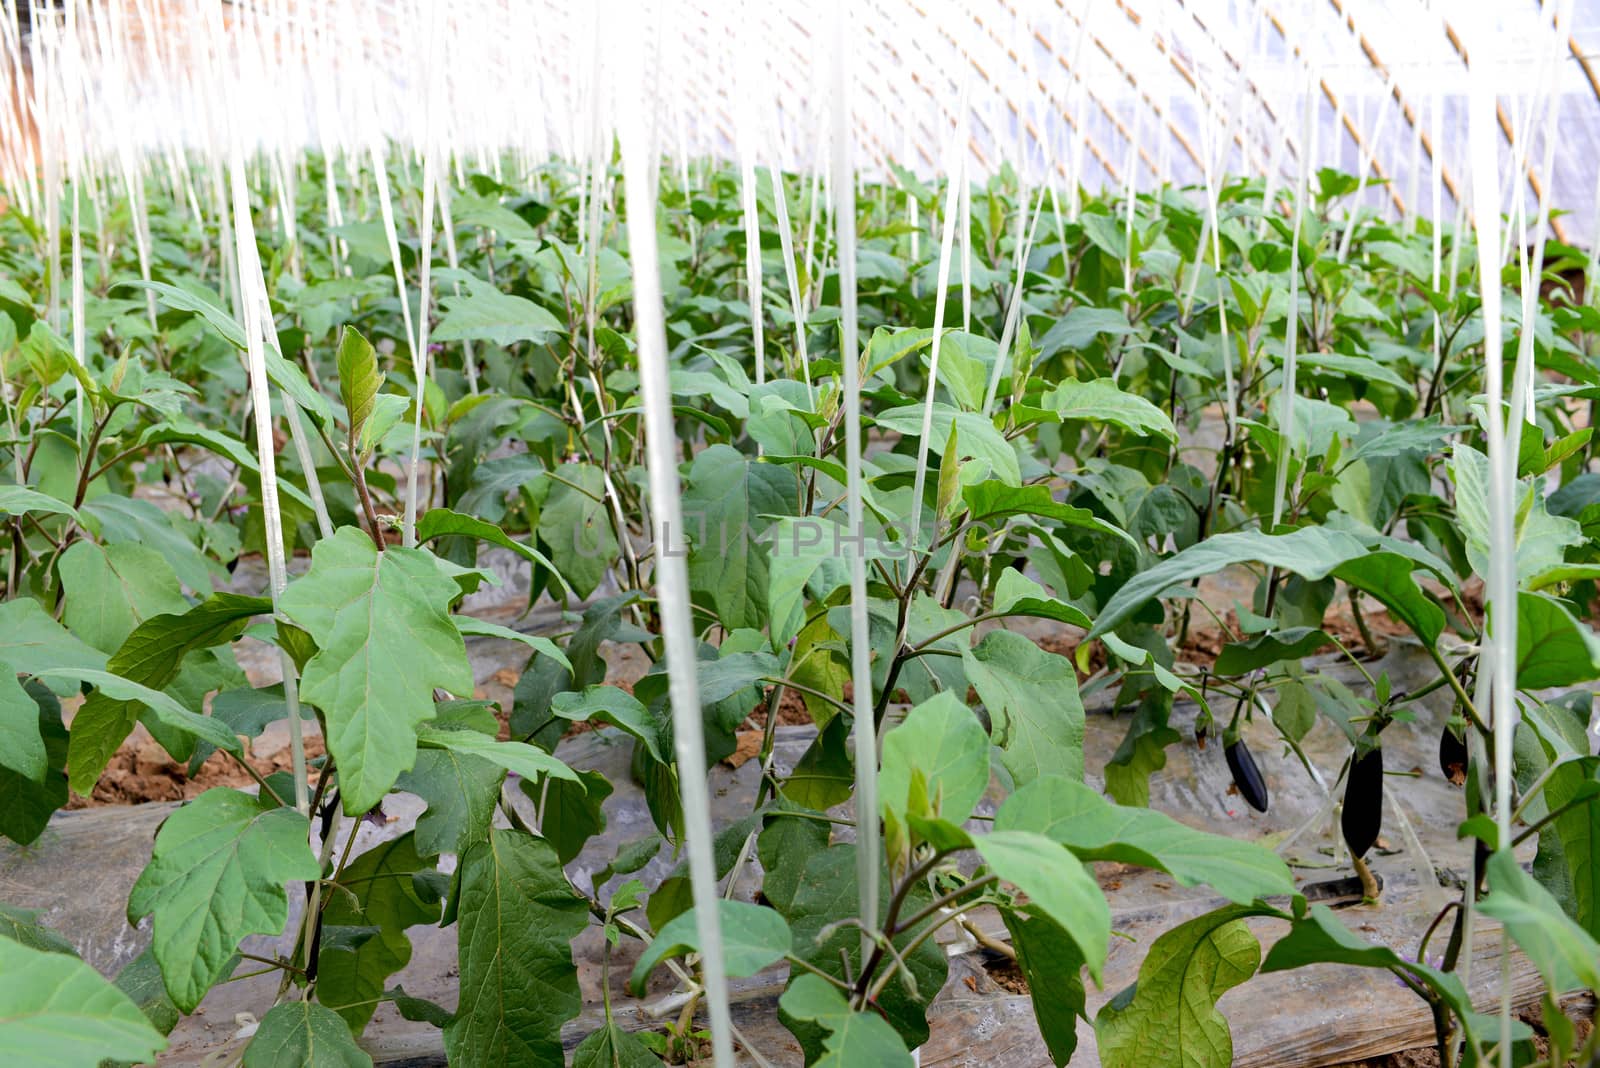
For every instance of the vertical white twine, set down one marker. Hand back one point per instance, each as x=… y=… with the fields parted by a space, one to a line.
x=866 y=733
x=1501 y=622
x=672 y=577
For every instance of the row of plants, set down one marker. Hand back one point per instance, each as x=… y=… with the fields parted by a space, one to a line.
x=1066 y=480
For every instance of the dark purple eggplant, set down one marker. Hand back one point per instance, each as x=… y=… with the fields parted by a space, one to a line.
x=1363 y=802
x=1246 y=776
x=1453 y=755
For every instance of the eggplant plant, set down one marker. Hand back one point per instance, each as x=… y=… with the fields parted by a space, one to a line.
x=1085 y=460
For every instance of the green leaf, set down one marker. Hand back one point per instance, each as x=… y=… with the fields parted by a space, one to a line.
x=526 y=760
x=575 y=524
x=1095 y=829
x=382 y=894
x=612 y=1047
x=484 y=313
x=1541 y=538
x=1577 y=831
x=753 y=938
x=26 y=805
x=1311 y=552
x=385 y=640
x=303 y=1034
x=518 y=982
x=1018 y=595
x=217 y=875
x=854 y=1038
x=443 y=523
x=1565 y=954
x=65 y=1015
x=140 y=979
x=461 y=792
x=1034 y=707
x=825 y=893
x=20 y=500
x=608 y=704
x=153 y=652
x=1553 y=647
x=1058 y=886
x=1388 y=577
x=23 y=927
x=31 y=642
x=359 y=383
x=570 y=812
x=1169 y=1016
x=96 y=734
x=977 y=436
x=111 y=589
x=1318 y=937
x=1102 y=401
x=942 y=741
x=283 y=374
x=992 y=500
x=1053 y=965
x=727 y=504
x=1290 y=643
x=178 y=430
x=22 y=748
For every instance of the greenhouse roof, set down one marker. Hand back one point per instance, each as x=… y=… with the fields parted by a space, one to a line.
x=1107 y=91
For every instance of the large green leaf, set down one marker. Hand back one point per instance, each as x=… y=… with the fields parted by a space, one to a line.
x=303 y=1034
x=1541 y=539
x=853 y=1038
x=1102 y=401
x=217 y=875
x=110 y=589
x=384 y=638
x=825 y=893
x=727 y=505
x=1318 y=937
x=461 y=790
x=443 y=523
x=1058 y=886
x=943 y=742
x=1553 y=647
x=383 y=895
x=1034 y=707
x=20 y=500
x=22 y=747
x=518 y=982
x=1565 y=954
x=1096 y=829
x=608 y=704
x=1577 y=831
x=526 y=760
x=283 y=374
x=56 y=1010
x=152 y=653
x=1311 y=552
x=1388 y=577
x=976 y=435
x=31 y=642
x=576 y=525
x=1053 y=965
x=753 y=938
x=151 y=657
x=612 y=1047
x=26 y=804
x=484 y=313
x=1169 y=1016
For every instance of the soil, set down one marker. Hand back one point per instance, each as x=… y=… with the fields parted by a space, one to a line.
x=142 y=771
x=1583 y=1025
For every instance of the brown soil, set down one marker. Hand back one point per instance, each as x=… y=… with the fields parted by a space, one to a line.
x=142 y=771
